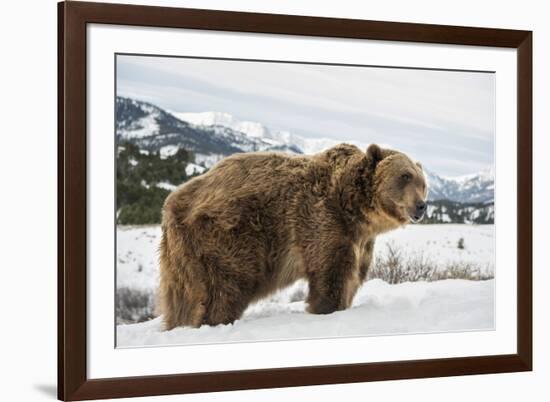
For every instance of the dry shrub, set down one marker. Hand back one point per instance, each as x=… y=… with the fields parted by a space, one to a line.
x=393 y=267
x=134 y=305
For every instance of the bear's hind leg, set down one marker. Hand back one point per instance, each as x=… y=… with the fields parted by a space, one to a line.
x=182 y=296
x=180 y=308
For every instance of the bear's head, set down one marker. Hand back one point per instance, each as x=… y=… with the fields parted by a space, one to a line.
x=400 y=189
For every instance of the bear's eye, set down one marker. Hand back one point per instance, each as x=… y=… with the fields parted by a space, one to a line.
x=406 y=177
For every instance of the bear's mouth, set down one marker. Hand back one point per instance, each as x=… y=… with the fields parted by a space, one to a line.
x=415 y=214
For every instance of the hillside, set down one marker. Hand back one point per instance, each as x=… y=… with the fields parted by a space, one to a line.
x=144 y=180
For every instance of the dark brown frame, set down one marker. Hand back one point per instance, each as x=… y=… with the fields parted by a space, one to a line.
x=73 y=383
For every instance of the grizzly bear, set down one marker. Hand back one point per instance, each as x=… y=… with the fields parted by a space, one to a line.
x=257 y=222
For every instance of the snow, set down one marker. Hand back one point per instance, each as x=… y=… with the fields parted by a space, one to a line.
x=378 y=308
x=137 y=256
x=491 y=212
x=145 y=127
x=166 y=186
x=192 y=169
x=250 y=128
x=208 y=160
x=438 y=243
x=168 y=150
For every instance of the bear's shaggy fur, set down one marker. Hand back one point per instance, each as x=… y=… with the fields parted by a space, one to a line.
x=257 y=222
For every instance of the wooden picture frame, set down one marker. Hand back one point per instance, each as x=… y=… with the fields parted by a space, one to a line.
x=73 y=17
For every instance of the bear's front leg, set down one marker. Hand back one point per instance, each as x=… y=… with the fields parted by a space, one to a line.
x=333 y=277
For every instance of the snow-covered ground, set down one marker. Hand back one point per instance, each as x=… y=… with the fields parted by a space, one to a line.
x=439 y=243
x=378 y=308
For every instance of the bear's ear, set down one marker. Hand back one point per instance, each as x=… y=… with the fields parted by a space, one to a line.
x=419 y=165
x=374 y=153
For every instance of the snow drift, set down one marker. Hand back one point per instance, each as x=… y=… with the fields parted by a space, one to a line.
x=378 y=309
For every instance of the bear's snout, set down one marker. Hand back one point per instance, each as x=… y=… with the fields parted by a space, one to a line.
x=419 y=212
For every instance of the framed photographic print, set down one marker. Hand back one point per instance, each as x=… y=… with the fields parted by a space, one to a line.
x=253 y=200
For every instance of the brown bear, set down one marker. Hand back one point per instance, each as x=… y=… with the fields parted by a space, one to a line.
x=257 y=222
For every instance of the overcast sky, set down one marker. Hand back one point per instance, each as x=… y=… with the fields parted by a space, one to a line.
x=444 y=119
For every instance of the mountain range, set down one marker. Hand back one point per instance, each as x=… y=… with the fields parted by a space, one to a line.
x=213 y=135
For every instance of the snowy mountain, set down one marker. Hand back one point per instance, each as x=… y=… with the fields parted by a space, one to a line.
x=471 y=188
x=154 y=129
x=206 y=120
x=213 y=135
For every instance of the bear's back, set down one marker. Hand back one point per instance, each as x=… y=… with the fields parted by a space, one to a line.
x=253 y=173
x=251 y=179
x=266 y=181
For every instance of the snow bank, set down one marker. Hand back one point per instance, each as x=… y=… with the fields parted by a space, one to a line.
x=378 y=309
